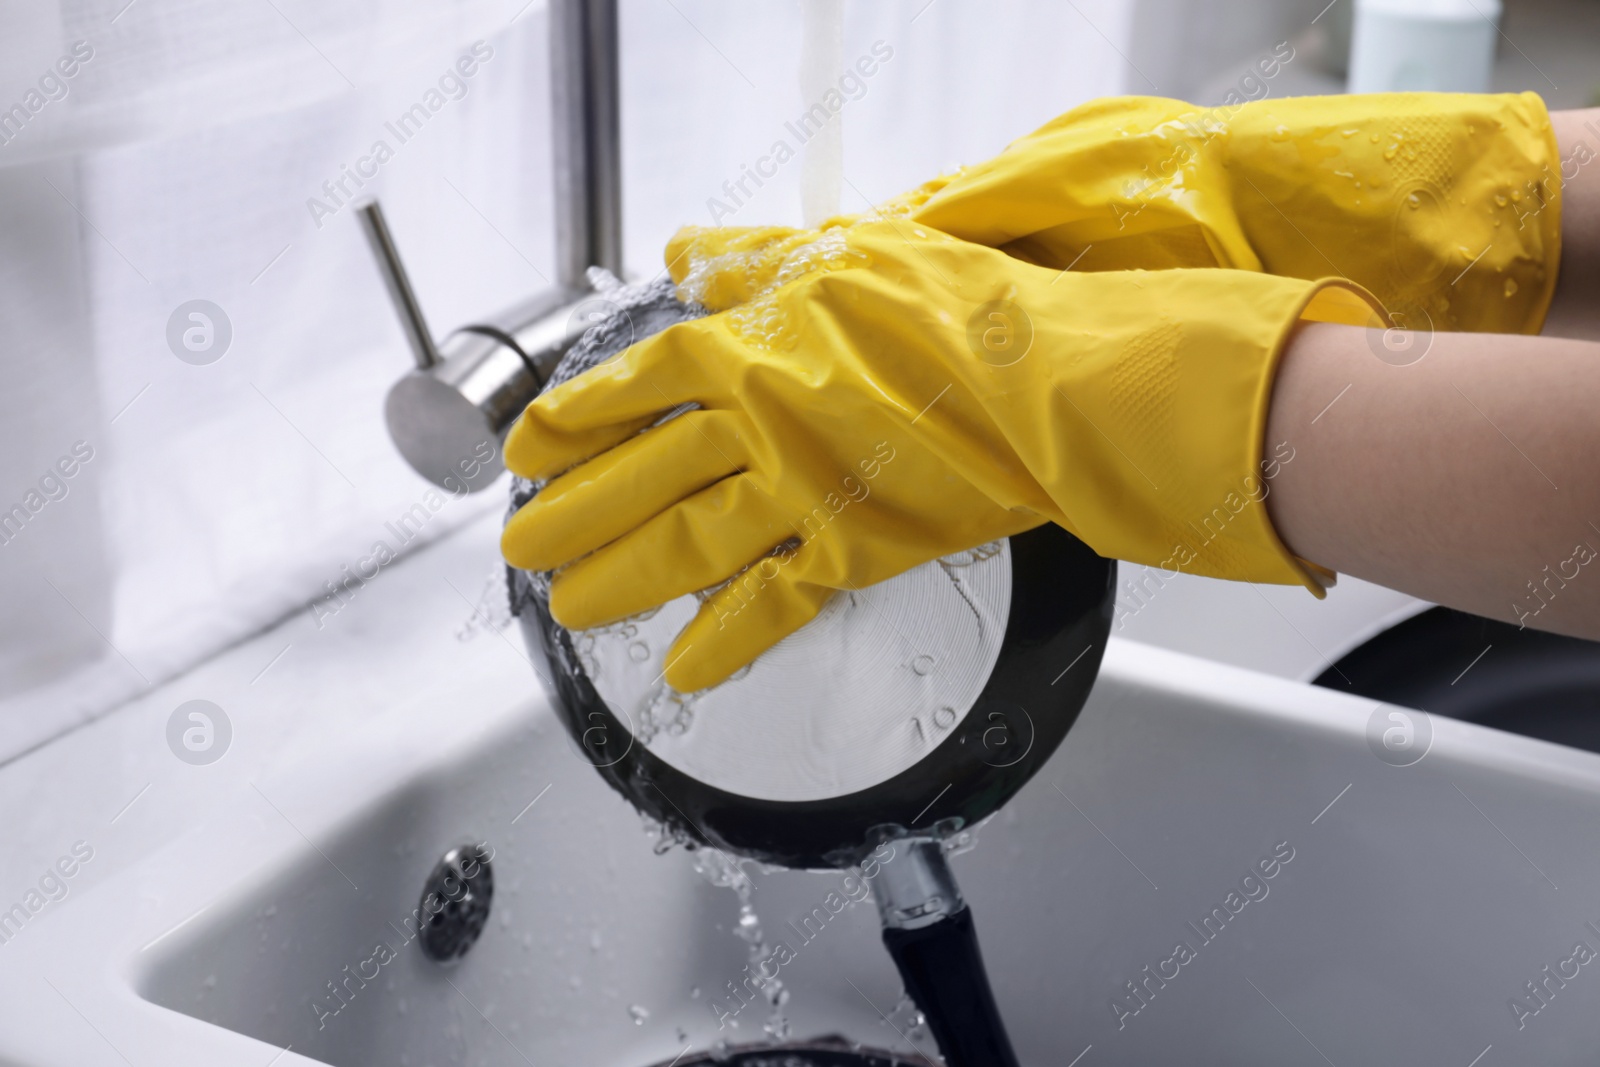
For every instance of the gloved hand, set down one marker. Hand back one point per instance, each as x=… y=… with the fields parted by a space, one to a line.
x=900 y=396
x=1401 y=193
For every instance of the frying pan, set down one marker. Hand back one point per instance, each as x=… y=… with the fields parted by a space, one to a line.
x=903 y=713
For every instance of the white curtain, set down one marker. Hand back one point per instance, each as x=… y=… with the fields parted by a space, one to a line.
x=180 y=162
x=177 y=164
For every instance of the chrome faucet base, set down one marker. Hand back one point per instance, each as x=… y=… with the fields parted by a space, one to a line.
x=448 y=420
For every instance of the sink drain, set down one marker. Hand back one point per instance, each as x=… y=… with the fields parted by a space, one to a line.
x=455 y=902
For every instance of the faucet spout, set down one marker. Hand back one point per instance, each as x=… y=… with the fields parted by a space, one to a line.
x=587 y=138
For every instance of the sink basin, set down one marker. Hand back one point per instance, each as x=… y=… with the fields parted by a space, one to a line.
x=597 y=950
x=1338 y=899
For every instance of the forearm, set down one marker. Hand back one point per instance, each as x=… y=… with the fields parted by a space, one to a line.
x=1468 y=478
x=1575 y=311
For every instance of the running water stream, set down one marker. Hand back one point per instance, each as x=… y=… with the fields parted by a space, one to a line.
x=821 y=61
x=720 y=869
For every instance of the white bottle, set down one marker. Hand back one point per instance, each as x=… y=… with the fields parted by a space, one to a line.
x=1423 y=45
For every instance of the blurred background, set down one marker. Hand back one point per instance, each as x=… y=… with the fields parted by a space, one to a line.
x=209 y=150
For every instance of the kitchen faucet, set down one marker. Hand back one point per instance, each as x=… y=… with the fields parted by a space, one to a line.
x=451 y=411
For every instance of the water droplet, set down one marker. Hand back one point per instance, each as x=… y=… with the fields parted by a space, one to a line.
x=1511 y=287
x=638 y=1013
x=638 y=652
x=923 y=664
x=1413 y=201
x=694 y=993
x=1500 y=201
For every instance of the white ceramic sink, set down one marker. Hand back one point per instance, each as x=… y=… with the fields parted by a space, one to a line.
x=222 y=899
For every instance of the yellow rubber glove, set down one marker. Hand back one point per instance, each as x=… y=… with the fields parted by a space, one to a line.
x=902 y=396
x=1445 y=205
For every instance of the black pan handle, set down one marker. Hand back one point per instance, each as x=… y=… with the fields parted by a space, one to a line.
x=928 y=931
x=942 y=969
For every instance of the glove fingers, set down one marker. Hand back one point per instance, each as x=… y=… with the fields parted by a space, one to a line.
x=617 y=491
x=607 y=404
x=690 y=547
x=737 y=623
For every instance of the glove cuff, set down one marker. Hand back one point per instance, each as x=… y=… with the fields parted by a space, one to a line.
x=1160 y=398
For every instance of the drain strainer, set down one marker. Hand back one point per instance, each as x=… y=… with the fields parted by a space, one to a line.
x=455 y=902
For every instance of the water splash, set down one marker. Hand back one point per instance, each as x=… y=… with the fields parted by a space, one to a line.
x=957 y=838
x=907 y=1021
x=761 y=321
x=668 y=710
x=665 y=838
x=723 y=870
x=492 y=612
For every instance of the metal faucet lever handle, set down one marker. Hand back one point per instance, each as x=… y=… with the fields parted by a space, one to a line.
x=399 y=285
x=448 y=416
